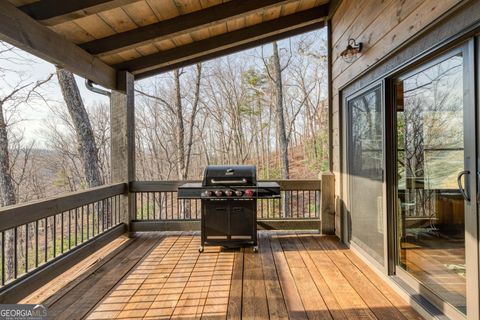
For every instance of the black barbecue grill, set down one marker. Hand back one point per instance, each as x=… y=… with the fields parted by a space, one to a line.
x=229 y=204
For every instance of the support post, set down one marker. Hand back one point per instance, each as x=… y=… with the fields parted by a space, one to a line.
x=327 y=204
x=122 y=126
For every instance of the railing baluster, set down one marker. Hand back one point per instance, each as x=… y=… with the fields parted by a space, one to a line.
x=93 y=220
x=69 y=229
x=172 y=205
x=54 y=236
x=96 y=212
x=45 y=248
x=26 y=248
x=36 y=244
x=15 y=253
x=141 y=205
x=83 y=224
x=61 y=231
x=148 y=206
x=76 y=227
x=104 y=215
x=109 y=213
x=88 y=221
x=117 y=210
x=196 y=209
x=114 y=210
x=3 y=258
x=303 y=204
x=310 y=210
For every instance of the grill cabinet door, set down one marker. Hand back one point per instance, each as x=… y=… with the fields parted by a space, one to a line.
x=242 y=219
x=215 y=218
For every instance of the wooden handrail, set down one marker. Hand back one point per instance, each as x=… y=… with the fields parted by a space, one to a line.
x=24 y=213
x=172 y=185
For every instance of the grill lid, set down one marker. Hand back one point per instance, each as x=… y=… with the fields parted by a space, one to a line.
x=235 y=175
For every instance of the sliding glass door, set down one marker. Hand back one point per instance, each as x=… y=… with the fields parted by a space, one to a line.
x=436 y=209
x=366 y=172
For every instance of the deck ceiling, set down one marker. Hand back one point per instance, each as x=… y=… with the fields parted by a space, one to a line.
x=147 y=37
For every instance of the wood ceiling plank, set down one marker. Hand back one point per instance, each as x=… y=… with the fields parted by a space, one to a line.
x=141 y=13
x=272 y=13
x=129 y=54
x=179 y=25
x=164 y=45
x=118 y=20
x=188 y=6
x=306 y=4
x=73 y=32
x=289 y=8
x=201 y=34
x=112 y=59
x=210 y=3
x=164 y=9
x=182 y=40
x=218 y=29
x=52 y=12
x=253 y=19
x=147 y=49
x=235 y=24
x=95 y=26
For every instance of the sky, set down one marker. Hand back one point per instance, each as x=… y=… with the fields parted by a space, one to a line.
x=34 y=114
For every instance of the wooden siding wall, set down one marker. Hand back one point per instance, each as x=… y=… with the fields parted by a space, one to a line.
x=382 y=26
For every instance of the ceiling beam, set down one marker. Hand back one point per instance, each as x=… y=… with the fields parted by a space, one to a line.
x=224 y=41
x=22 y=31
x=170 y=28
x=224 y=52
x=52 y=12
x=333 y=4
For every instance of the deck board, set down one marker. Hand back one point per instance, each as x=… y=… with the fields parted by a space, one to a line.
x=163 y=276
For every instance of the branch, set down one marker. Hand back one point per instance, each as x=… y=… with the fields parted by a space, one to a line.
x=155 y=98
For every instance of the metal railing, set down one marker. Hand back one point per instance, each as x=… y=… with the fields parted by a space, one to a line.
x=36 y=234
x=157 y=201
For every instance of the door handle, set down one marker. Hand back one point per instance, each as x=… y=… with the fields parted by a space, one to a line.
x=460 y=186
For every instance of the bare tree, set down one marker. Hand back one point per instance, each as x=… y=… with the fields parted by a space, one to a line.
x=15 y=95
x=85 y=137
x=275 y=75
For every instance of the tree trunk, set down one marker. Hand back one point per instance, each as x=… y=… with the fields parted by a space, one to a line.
x=7 y=188
x=85 y=138
x=192 y=120
x=281 y=130
x=180 y=127
x=7 y=192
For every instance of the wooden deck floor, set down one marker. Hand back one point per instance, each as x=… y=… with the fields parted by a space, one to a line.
x=162 y=276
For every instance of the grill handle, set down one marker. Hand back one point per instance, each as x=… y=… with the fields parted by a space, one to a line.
x=214 y=181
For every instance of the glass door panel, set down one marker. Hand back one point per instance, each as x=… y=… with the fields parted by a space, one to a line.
x=431 y=155
x=365 y=168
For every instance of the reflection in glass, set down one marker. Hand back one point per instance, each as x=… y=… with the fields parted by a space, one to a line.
x=366 y=172
x=430 y=154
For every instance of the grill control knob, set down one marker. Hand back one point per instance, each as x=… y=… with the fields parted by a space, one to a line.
x=228 y=193
x=208 y=193
x=218 y=193
x=238 y=193
x=249 y=193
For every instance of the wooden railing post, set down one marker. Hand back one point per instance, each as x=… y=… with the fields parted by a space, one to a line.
x=327 y=204
x=122 y=125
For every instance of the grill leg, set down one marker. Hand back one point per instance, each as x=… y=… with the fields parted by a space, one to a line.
x=200 y=249
x=255 y=249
